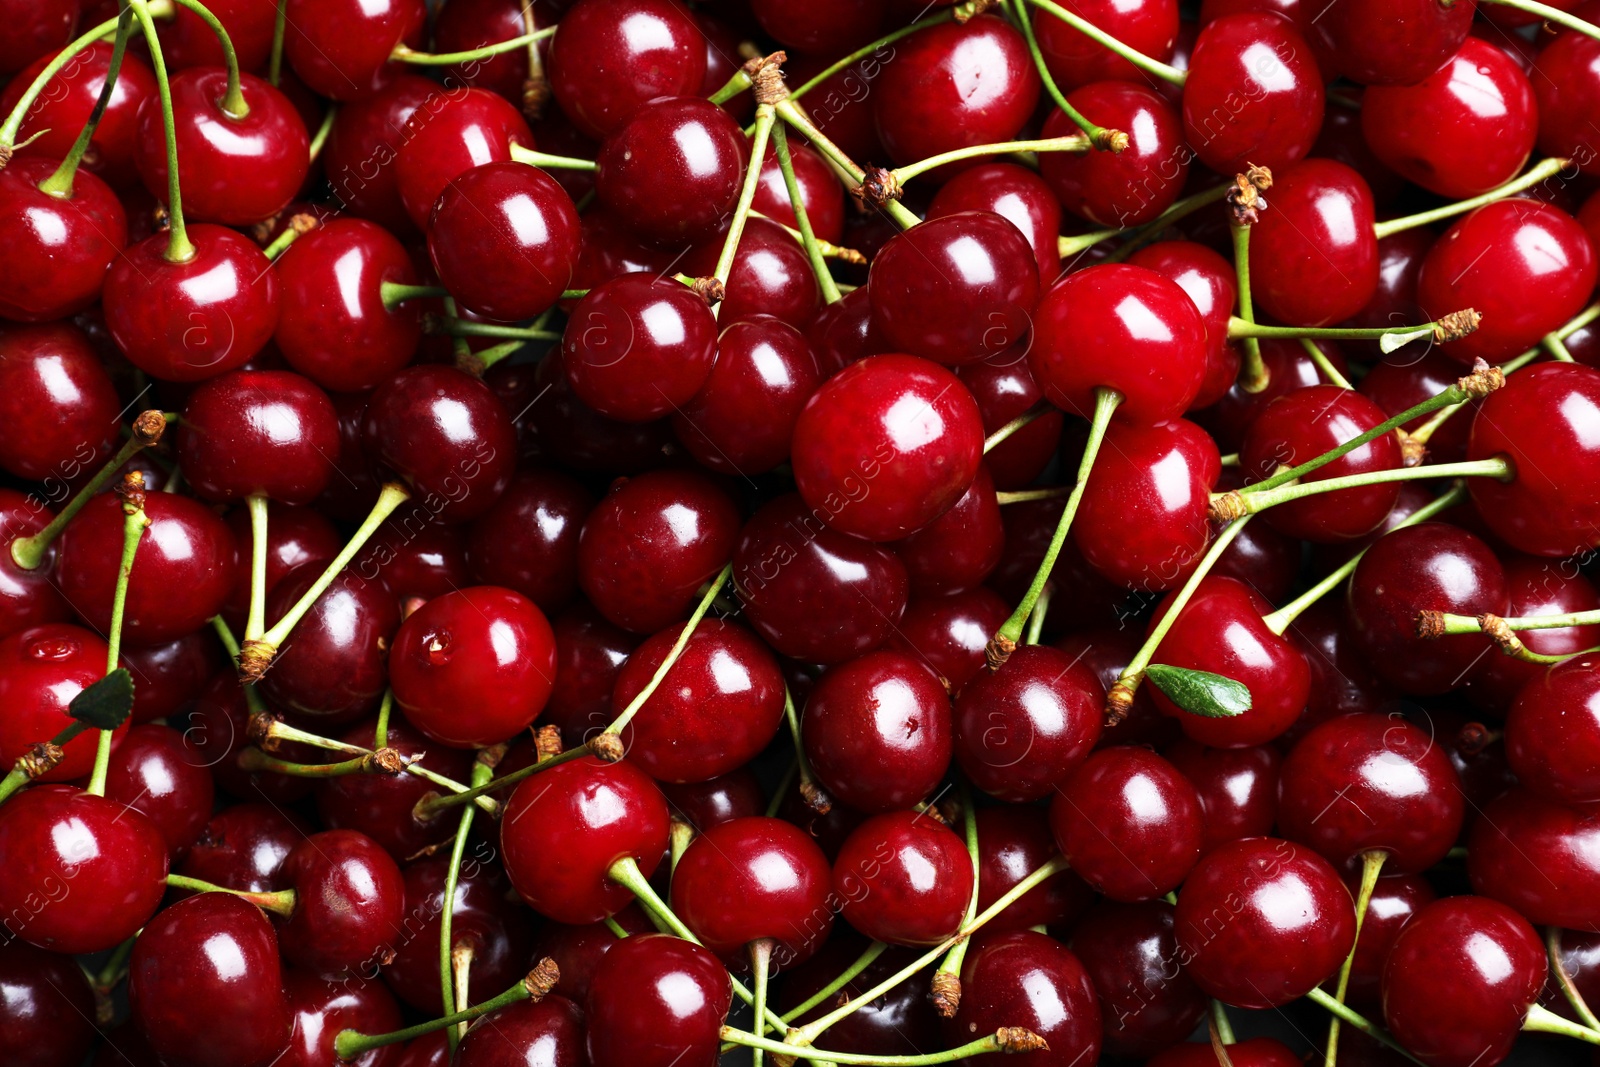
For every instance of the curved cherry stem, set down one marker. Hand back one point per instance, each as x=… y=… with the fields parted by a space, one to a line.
x=550 y=162
x=481 y=773
x=1357 y=1021
x=1166 y=72
x=811 y=791
x=403 y=54
x=947 y=977
x=1371 y=866
x=808 y=238
x=352 y=1043
x=790 y=112
x=1541 y=171
x=1142 y=235
x=1552 y=941
x=861 y=963
x=1541 y=1020
x=134 y=524
x=1004 y=1041
x=765 y=116
x=233 y=102
x=1253 y=373
x=1099 y=136
x=1324 y=364
x=255 y=620
x=179 y=248
x=60 y=182
x=1552 y=14
x=24 y=104
x=279 y=902
x=1072 y=143
x=380 y=736
x=1236 y=503
x=1557 y=348
x=319 y=139
x=280 y=23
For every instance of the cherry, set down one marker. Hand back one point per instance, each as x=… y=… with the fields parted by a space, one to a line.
x=447 y=135
x=1106 y=650
x=340 y=49
x=359 y=156
x=49 y=1008
x=718 y=707
x=51 y=125
x=1237 y=787
x=295 y=535
x=218 y=733
x=27 y=597
x=887 y=445
x=1288 y=367
x=349 y=903
x=1013 y=842
x=842 y=332
x=384 y=806
x=549 y=1031
x=1405 y=380
x=1524 y=265
x=186 y=41
x=1148 y=26
x=1023 y=978
x=837 y=26
x=1462 y=975
x=1313 y=254
x=1125 y=188
x=672 y=172
x=416 y=558
x=953 y=85
x=55 y=834
x=1256 y=1052
x=820 y=192
x=616 y=55
x=216 y=950
x=904 y=878
x=1004 y=390
x=1435 y=567
x=464 y=27
x=607 y=248
x=590 y=653
x=1030 y=526
x=150 y=773
x=1259 y=555
x=1121 y=327
x=1481 y=94
x=484 y=648
x=649 y=546
x=1253 y=95
x=1263 y=921
x=243 y=847
x=877 y=732
x=1395 y=900
x=1536 y=589
x=1022 y=729
x=577 y=950
x=1146 y=1002
x=1577 y=954
x=60 y=245
x=194 y=319
x=528 y=541
x=901 y=1022
x=577 y=436
x=771 y=275
x=656 y=1000
x=37 y=29
x=1564 y=84
x=960 y=548
x=957 y=289
x=1539 y=857
x=948 y=633
x=321 y=1009
x=841 y=107
x=258 y=433
x=1551 y=732
x=333 y=665
x=59 y=401
x=703 y=805
x=1014 y=193
x=1389 y=44
x=639 y=346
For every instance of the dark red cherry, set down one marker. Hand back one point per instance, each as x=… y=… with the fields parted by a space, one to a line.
x=1146 y=1002
x=842 y=332
x=1380 y=43
x=572 y=433
x=1237 y=787
x=672 y=172
x=214 y=147
x=528 y=541
x=953 y=85
x=243 y=847
x=383 y=806
x=340 y=49
x=166 y=677
x=957 y=289
x=49 y=1007
x=473 y=667
x=1125 y=188
x=1026 y=979
x=1120 y=327
x=447 y=135
x=349 y=903
x=359 y=156
x=901 y=1022
x=37 y=29
x=151 y=773
x=1480 y=93
x=333 y=666
x=1313 y=250
x=590 y=653
x=1253 y=95
x=51 y=125
x=295 y=535
x=322 y=1008
x=1148 y=26
x=771 y=275
x=1014 y=193
x=1460 y=979
x=1106 y=649
x=703 y=805
x=548 y=1032
x=217 y=735
x=414 y=557
x=577 y=950
x=656 y=1000
x=1395 y=899
x=842 y=108
x=468 y=26
x=1259 y=555
x=1014 y=841
x=181 y=575
x=904 y=878
x=1430 y=567
x=258 y=433
x=1030 y=526
x=1552 y=729
x=194 y=319
x=28 y=597
x=814 y=593
x=1288 y=366
x=717 y=708
x=188 y=42
x=820 y=191
x=639 y=346
x=1536 y=588
x=1129 y=823
x=334 y=327
x=607 y=248
x=216 y=950
x=42 y=669
x=948 y=633
x=877 y=732
x=960 y=548
x=59 y=246
x=1564 y=84
x=53 y=835
x=60 y=404
x=1004 y=390
x=1021 y=730
x=1289 y=922
x=649 y=546
x=591 y=814
x=1538 y=856
x=835 y=26
x=616 y=55
x=887 y=445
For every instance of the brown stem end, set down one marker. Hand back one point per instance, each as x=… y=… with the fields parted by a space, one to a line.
x=1017 y=1039
x=148 y=427
x=1483 y=380
x=766 y=79
x=40 y=760
x=255 y=656
x=816 y=797
x=535 y=96
x=1118 y=701
x=1412 y=451
x=1430 y=624
x=946 y=994
x=1113 y=141
x=1502 y=635
x=1227 y=507
x=384 y=761
x=607 y=748
x=547 y=741
x=998 y=650
x=710 y=290
x=878 y=187
x=542 y=979
x=1456 y=325
x=1245 y=199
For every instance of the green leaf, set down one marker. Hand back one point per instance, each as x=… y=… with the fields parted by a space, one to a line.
x=106 y=704
x=1396 y=338
x=1200 y=692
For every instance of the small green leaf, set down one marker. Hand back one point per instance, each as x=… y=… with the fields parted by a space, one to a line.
x=106 y=704
x=1396 y=338
x=1200 y=692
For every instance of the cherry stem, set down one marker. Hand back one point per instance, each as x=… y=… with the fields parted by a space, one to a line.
x=298 y=226
x=1098 y=136
x=1220 y=1020
x=1105 y=405
x=13 y=122
x=1280 y=620
x=1371 y=866
x=1357 y=1021
x=861 y=53
x=380 y=736
x=382 y=761
x=403 y=54
x=467 y=328
x=392 y=293
x=1242 y=328
x=1023 y=496
x=1043 y=407
x=255 y=621
x=351 y=1043
x=862 y=962
x=1468 y=624
x=815 y=796
x=60 y=182
x=1167 y=73
x=1122 y=690
x=460 y=794
x=828 y=249
x=324 y=131
x=808 y=237
x=946 y=990
x=1253 y=374
x=1072 y=143
x=1557 y=348
x=179 y=248
x=1541 y=171
x=1238 y=502
x=256 y=655
x=1552 y=941
x=233 y=102
x=760 y=963
x=1553 y=14
x=548 y=161
x=1142 y=235
x=1542 y=1020
x=765 y=115
x=481 y=773
x=1011 y=1039
x=38 y=760
x=1422 y=434
x=790 y=112
x=1324 y=364
x=134 y=524
x=28 y=552
x=1036 y=621
x=279 y=24
x=279 y=902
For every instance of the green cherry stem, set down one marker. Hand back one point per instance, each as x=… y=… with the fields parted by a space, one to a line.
x=254 y=760
x=350 y=1044
x=1023 y=496
x=1371 y=866
x=28 y=552
x=1553 y=14
x=60 y=182
x=1542 y=171
x=482 y=771
x=134 y=524
x=760 y=951
x=280 y=902
x=179 y=249
x=815 y=796
x=1043 y=407
x=1008 y=1039
x=1541 y=1020
x=1072 y=143
x=808 y=237
x=1099 y=136
x=256 y=619
x=324 y=130
x=1440 y=623
x=1167 y=73
x=39 y=760
x=232 y=103
x=280 y=23
x=1253 y=373
x=861 y=963
x=548 y=161
x=1219 y=1019
x=946 y=983
x=1036 y=622
x=869 y=49
x=790 y=112
x=380 y=736
x=460 y=794
x=765 y=116
x=828 y=249
x=1357 y=1021
x=1552 y=942
x=299 y=225
x=1447 y=328
x=402 y=54
x=392 y=293
x=1143 y=235
x=454 y=327
x=1556 y=347
x=24 y=104
x=1006 y=638
x=1324 y=364
x=1232 y=505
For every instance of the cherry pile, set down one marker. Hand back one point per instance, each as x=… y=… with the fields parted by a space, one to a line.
x=622 y=533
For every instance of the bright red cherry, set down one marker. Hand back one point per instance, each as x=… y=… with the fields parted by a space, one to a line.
x=656 y=1001
x=359 y=156
x=447 y=135
x=151 y=773
x=1565 y=77
x=1536 y=588
x=38 y=29
x=1540 y=857
x=1125 y=188
x=1313 y=250
x=613 y=56
x=639 y=346
x=1552 y=730
x=243 y=846
x=770 y=277
x=1147 y=1004
x=1381 y=43
x=1149 y=26
x=1253 y=94
x=960 y=548
x=673 y=171
x=258 y=433
x=1395 y=900
x=60 y=403
x=322 y=1008
x=340 y=49
x=51 y=125
x=904 y=878
x=1288 y=367
x=27 y=597
x=58 y=246
x=1012 y=192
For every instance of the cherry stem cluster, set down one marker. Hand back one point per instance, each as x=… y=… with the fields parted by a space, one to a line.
x=808 y=237
x=60 y=182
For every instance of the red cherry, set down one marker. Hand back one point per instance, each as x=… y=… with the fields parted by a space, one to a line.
x=382 y=806
x=1014 y=193
x=1125 y=188
x=672 y=172
x=1237 y=787
x=258 y=433
x=528 y=541
x=49 y=1007
x=1405 y=380
x=58 y=246
x=901 y=1022
x=550 y=1031
x=295 y=535
x=1395 y=899
x=150 y=773
x=1565 y=80
x=842 y=332
x=1147 y=1004
x=838 y=25
x=904 y=878
x=1389 y=44
x=349 y=903
x=656 y=1000
x=359 y=156
x=27 y=597
x=703 y=805
x=447 y=135
x=167 y=677
x=960 y=548
x=464 y=27
x=58 y=400
x=1256 y=1052
x=1253 y=94
x=615 y=55
x=1013 y=842
x=1539 y=857
x=639 y=346
x=1536 y=588
x=1026 y=979
x=321 y=1009
x=771 y=275
x=1288 y=367
x=35 y=29
x=187 y=41
x=1313 y=250
x=948 y=633
x=820 y=191
x=590 y=653
x=41 y=670
x=340 y=49
x=1004 y=390
x=1551 y=732
x=577 y=950
x=415 y=558
x=63 y=106
x=332 y=666
x=243 y=846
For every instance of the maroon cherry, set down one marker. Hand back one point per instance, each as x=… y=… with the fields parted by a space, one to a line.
x=1539 y=857
x=1004 y=390
x=349 y=903
x=1127 y=187
x=577 y=950
x=61 y=403
x=1148 y=26
x=656 y=1000
x=60 y=245
x=447 y=135
x=549 y=1032
x=295 y=535
x=948 y=633
x=1256 y=1052
x=333 y=666
x=673 y=171
x=1314 y=249
x=51 y=125
x=703 y=805
x=49 y=1008
x=613 y=56
x=384 y=806
x=1379 y=43
x=1290 y=922
x=188 y=42
x=1026 y=979
x=359 y=156
x=839 y=25
x=770 y=276
x=1536 y=588
x=167 y=677
x=1395 y=900
x=904 y=878
x=37 y=30
x=258 y=433
x=1253 y=95
x=340 y=49
x=590 y=653
x=842 y=332
x=1404 y=380
x=321 y=1009
x=820 y=191
x=529 y=540
x=1564 y=85
x=1014 y=193
x=416 y=558
x=1288 y=366
x=243 y=847
x=1552 y=729
x=960 y=548
x=901 y=1022
x=572 y=433
x=1146 y=1002
x=42 y=669
x=1237 y=787
x=151 y=773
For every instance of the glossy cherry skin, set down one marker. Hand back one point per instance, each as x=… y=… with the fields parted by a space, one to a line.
x=447 y=135
x=1493 y=966
x=1146 y=1001
x=954 y=85
x=61 y=109
x=1380 y=43
x=27 y=597
x=1120 y=327
x=55 y=835
x=717 y=708
x=904 y=878
x=217 y=950
x=839 y=25
x=529 y=540
x=181 y=575
x=814 y=593
x=1149 y=26
x=1551 y=732
x=1288 y=366
x=887 y=445
x=820 y=191
x=948 y=633
x=901 y=1022
x=755 y=878
x=333 y=667
x=548 y=1032
x=42 y=669
x=1262 y=921
x=340 y=49
x=1564 y=81
x=1524 y=265
x=150 y=773
x=321 y=1009
x=656 y=1000
x=295 y=535
x=349 y=903
x=577 y=950
x=60 y=246
x=648 y=547
x=1126 y=188
x=415 y=558
x=616 y=55
x=592 y=814
x=270 y=144
x=960 y=548
x=1129 y=822
x=1237 y=787
x=1539 y=857
x=842 y=332
x=673 y=171
x=243 y=847
x=1020 y=730
x=1014 y=193
x=957 y=289
x=55 y=392
x=703 y=805
x=473 y=667
x=1479 y=92
x=1314 y=250
x=258 y=433
x=742 y=419
x=1023 y=978
x=639 y=346
x=1013 y=842
x=383 y=806
x=359 y=156
x=1395 y=900
x=334 y=327
x=770 y=277
x=590 y=653
x=49 y=1008
x=1253 y=96
x=877 y=732
x=1433 y=567
x=1406 y=379
x=1004 y=389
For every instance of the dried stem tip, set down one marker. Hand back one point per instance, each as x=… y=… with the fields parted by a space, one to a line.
x=878 y=187
x=1016 y=1039
x=542 y=978
x=1118 y=701
x=148 y=427
x=258 y=731
x=998 y=650
x=132 y=492
x=535 y=95
x=1227 y=507
x=710 y=290
x=816 y=798
x=1245 y=197
x=40 y=760
x=547 y=741
x=1412 y=451
x=1484 y=379
x=607 y=748
x=1501 y=634
x=946 y=994
x=1430 y=624
x=766 y=79
x=1114 y=141
x=963 y=13
x=255 y=656
x=384 y=761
